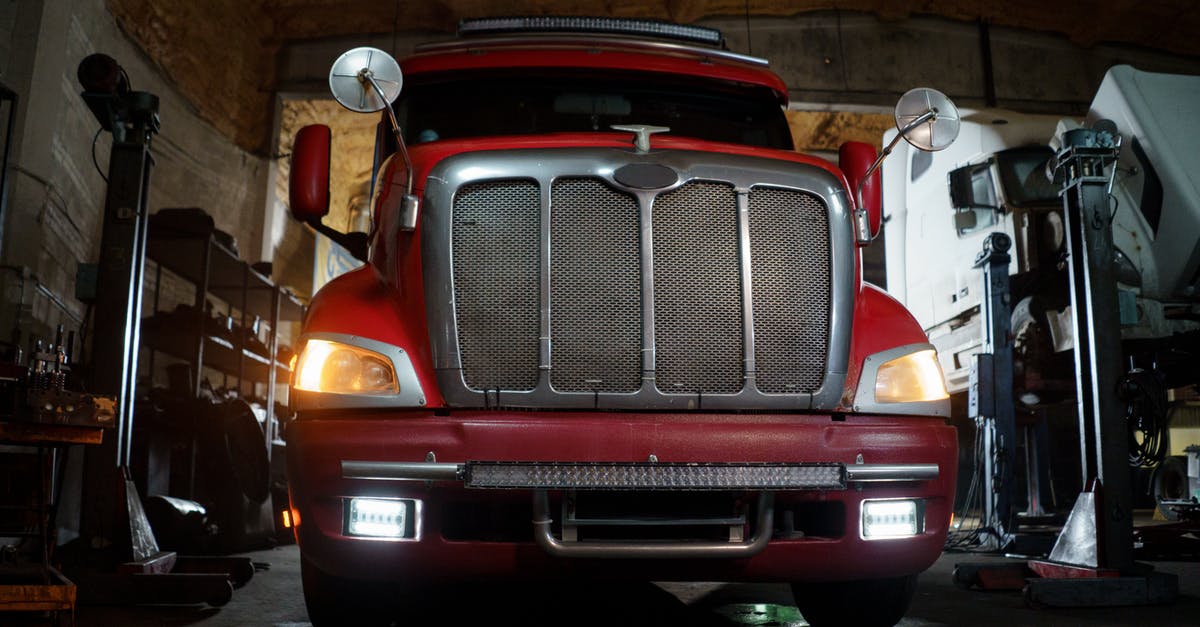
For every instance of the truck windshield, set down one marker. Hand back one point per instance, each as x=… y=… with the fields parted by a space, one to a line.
x=458 y=105
x=1023 y=175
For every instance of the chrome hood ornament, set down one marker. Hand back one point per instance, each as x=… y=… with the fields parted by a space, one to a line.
x=641 y=134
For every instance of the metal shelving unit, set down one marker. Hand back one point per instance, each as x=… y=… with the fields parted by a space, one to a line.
x=213 y=341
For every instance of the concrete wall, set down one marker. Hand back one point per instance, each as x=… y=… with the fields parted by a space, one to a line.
x=55 y=202
x=8 y=21
x=852 y=58
x=857 y=59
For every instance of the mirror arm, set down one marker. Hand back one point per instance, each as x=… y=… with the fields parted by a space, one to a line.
x=923 y=118
x=369 y=77
x=408 y=211
x=860 y=213
x=354 y=243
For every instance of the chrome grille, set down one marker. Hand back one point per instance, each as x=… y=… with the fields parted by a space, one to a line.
x=697 y=291
x=595 y=288
x=495 y=232
x=549 y=285
x=790 y=261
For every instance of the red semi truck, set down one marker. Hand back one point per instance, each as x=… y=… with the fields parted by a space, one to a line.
x=610 y=324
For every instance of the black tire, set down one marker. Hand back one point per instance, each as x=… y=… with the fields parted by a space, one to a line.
x=1170 y=483
x=333 y=602
x=965 y=578
x=866 y=603
x=1033 y=350
x=246 y=450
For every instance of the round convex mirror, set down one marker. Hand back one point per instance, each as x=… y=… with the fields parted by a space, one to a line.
x=938 y=132
x=350 y=84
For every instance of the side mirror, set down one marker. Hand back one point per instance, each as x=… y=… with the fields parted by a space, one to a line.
x=308 y=187
x=308 y=181
x=962 y=189
x=855 y=159
x=365 y=80
x=368 y=79
x=965 y=221
x=925 y=118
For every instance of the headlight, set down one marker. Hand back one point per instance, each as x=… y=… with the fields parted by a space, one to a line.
x=333 y=367
x=343 y=371
x=903 y=380
x=912 y=378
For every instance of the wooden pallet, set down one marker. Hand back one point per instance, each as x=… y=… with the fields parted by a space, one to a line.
x=32 y=593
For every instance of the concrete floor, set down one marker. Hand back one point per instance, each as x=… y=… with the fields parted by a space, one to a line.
x=273 y=599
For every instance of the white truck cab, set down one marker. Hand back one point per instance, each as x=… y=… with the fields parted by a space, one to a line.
x=939 y=207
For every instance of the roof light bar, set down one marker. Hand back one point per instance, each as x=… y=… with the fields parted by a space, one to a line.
x=655 y=476
x=607 y=25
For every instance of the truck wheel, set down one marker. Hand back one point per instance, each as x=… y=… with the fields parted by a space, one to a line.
x=332 y=601
x=866 y=603
x=246 y=453
x=1170 y=483
x=1034 y=359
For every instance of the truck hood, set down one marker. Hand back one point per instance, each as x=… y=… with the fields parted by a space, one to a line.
x=426 y=156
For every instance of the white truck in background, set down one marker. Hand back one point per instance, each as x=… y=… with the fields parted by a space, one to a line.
x=939 y=207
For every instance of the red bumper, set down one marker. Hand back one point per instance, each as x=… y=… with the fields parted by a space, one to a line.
x=317 y=448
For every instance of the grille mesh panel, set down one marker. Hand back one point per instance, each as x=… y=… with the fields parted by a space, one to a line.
x=789 y=251
x=495 y=232
x=595 y=288
x=697 y=291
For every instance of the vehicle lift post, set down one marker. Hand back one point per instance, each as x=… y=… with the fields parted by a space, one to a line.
x=992 y=406
x=113 y=523
x=1092 y=561
x=991 y=401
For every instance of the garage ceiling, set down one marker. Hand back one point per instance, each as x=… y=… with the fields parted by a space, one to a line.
x=222 y=54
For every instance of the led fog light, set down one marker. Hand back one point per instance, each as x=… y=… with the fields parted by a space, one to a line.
x=891 y=519
x=380 y=518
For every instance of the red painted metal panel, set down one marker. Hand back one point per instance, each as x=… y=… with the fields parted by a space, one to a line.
x=1055 y=570
x=880 y=323
x=362 y=303
x=593 y=59
x=426 y=156
x=308 y=183
x=854 y=158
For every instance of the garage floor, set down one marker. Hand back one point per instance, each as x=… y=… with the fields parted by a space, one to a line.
x=273 y=598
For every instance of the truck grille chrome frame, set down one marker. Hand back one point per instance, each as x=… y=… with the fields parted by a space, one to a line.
x=550 y=285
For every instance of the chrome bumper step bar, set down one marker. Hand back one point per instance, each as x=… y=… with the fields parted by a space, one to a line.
x=660 y=549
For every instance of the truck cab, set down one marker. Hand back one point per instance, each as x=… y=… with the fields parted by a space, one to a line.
x=610 y=325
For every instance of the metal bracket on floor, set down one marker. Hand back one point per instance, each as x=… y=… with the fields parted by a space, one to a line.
x=1078 y=575
x=162 y=577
